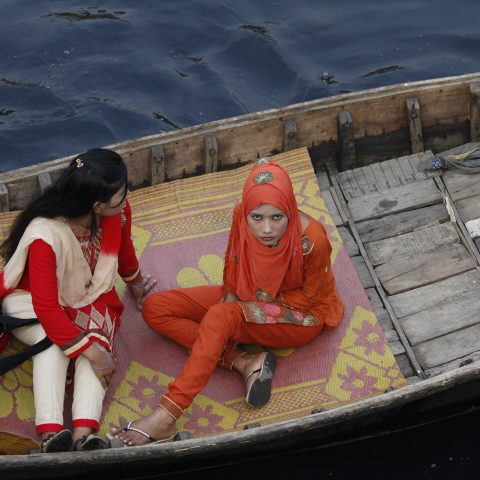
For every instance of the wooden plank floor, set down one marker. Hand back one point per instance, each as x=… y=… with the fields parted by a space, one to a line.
x=414 y=256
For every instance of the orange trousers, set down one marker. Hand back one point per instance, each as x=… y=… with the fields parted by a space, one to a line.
x=195 y=318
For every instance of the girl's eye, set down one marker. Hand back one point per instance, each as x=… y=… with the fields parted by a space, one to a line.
x=256 y=217
x=278 y=217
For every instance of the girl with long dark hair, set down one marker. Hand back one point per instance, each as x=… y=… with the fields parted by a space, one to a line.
x=62 y=257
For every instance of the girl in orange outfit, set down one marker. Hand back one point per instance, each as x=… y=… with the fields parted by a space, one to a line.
x=278 y=292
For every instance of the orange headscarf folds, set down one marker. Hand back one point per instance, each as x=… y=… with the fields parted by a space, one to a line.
x=257 y=272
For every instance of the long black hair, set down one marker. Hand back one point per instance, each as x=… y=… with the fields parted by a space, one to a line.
x=93 y=176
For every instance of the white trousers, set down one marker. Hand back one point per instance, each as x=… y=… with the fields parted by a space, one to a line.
x=50 y=373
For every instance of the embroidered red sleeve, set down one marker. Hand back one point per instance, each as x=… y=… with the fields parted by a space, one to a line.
x=128 y=267
x=44 y=289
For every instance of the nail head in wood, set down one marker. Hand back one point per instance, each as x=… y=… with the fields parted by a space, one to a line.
x=415 y=125
x=157 y=165
x=211 y=154
x=289 y=135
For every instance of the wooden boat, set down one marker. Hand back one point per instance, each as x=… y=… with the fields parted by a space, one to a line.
x=410 y=232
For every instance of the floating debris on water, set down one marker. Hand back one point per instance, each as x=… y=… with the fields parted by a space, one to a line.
x=5 y=112
x=255 y=28
x=20 y=83
x=163 y=118
x=181 y=73
x=191 y=58
x=327 y=78
x=380 y=71
x=88 y=14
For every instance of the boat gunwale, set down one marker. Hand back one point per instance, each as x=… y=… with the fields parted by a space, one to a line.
x=261 y=436
x=160 y=139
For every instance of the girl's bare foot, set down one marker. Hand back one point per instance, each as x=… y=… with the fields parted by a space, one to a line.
x=155 y=427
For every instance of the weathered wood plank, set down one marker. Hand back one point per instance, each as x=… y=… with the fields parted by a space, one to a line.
x=461 y=186
x=332 y=207
x=448 y=347
x=404 y=222
x=363 y=272
x=463 y=286
x=441 y=319
x=379 y=310
x=413 y=271
x=322 y=180
x=453 y=365
x=436 y=237
x=404 y=365
x=348 y=241
x=401 y=198
x=468 y=208
x=385 y=175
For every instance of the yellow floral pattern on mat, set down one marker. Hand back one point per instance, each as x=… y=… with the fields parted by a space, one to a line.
x=141 y=387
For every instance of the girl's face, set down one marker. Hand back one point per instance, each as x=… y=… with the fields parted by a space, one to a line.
x=114 y=205
x=267 y=224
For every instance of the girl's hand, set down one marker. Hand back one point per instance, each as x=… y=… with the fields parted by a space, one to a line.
x=141 y=288
x=103 y=363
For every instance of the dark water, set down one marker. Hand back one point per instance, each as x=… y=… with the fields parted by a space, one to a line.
x=74 y=75
x=77 y=74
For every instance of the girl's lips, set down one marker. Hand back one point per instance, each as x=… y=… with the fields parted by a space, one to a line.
x=267 y=239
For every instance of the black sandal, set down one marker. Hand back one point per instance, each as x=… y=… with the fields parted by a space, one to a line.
x=258 y=394
x=57 y=442
x=90 y=442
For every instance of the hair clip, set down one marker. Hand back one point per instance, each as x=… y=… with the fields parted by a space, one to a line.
x=79 y=163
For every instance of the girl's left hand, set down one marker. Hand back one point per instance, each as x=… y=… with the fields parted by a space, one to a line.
x=141 y=288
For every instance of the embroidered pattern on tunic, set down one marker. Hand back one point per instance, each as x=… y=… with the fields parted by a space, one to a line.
x=307 y=245
x=263 y=296
x=271 y=313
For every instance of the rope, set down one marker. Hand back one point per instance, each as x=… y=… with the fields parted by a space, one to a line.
x=467 y=162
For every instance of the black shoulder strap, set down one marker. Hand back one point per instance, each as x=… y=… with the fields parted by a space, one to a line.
x=8 y=323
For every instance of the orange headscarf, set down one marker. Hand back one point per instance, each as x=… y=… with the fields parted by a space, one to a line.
x=254 y=271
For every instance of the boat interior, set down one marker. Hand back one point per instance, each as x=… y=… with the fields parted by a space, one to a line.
x=412 y=233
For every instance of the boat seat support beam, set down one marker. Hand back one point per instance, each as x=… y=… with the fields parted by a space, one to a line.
x=346 y=141
x=415 y=125
x=210 y=161
x=475 y=112
x=157 y=165
x=289 y=135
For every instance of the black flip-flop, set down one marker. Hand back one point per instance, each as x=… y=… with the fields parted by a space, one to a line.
x=58 y=442
x=258 y=394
